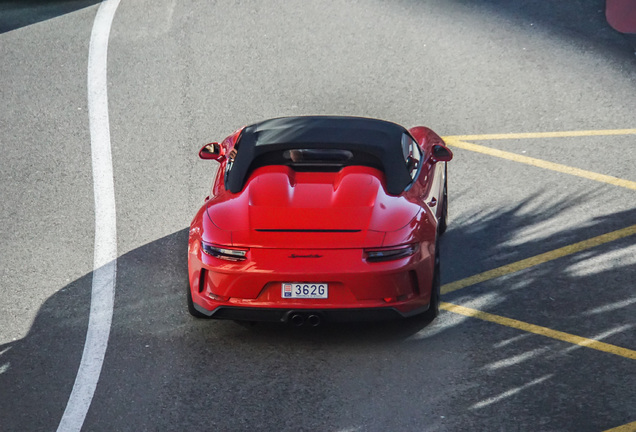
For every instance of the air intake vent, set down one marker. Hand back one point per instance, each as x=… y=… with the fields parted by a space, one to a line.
x=202 y=280
x=414 y=284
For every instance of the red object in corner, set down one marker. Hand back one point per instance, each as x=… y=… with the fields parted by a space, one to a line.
x=621 y=15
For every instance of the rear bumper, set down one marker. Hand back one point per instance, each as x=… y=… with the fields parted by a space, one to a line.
x=325 y=315
x=250 y=290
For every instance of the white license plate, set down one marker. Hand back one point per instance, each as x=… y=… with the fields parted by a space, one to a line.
x=305 y=290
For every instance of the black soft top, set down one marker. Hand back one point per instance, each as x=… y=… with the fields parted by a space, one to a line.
x=379 y=138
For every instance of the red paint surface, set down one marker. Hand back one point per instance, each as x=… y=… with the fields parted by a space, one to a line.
x=621 y=15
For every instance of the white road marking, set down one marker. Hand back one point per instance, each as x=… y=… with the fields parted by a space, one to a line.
x=105 y=252
x=509 y=393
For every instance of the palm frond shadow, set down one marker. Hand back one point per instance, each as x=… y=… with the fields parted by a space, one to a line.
x=152 y=330
x=582 y=22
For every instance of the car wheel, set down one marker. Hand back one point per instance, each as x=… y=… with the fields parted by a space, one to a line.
x=442 y=223
x=433 y=308
x=191 y=309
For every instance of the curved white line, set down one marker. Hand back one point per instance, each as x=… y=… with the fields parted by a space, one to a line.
x=105 y=252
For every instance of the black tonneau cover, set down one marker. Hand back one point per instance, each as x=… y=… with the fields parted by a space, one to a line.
x=379 y=138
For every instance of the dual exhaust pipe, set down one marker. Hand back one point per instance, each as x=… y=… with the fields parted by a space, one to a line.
x=299 y=319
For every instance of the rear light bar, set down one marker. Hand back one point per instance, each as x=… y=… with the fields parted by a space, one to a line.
x=392 y=253
x=224 y=252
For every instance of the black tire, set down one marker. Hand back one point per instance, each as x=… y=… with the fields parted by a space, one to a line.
x=442 y=224
x=433 y=308
x=195 y=313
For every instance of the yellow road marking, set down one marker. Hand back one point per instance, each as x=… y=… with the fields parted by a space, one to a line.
x=564 y=134
x=543 y=164
x=543 y=331
x=539 y=259
x=458 y=141
x=631 y=427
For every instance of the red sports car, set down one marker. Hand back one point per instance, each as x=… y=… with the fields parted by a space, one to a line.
x=320 y=219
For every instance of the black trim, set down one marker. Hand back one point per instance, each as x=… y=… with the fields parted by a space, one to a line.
x=326 y=315
x=378 y=138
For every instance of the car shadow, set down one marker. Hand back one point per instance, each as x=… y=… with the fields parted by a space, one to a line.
x=17 y=14
x=157 y=351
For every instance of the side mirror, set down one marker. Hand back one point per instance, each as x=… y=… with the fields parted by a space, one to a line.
x=441 y=153
x=212 y=151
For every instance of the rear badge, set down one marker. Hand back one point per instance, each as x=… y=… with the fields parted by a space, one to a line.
x=305 y=256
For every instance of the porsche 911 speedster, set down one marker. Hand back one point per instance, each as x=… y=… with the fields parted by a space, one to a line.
x=320 y=219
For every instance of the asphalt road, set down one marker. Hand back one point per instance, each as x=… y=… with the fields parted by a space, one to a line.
x=184 y=73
